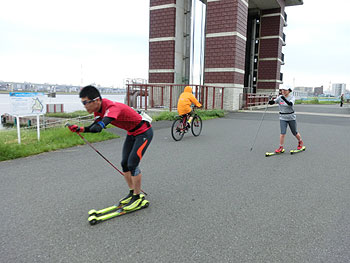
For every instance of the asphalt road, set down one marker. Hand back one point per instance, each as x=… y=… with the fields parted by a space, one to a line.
x=211 y=198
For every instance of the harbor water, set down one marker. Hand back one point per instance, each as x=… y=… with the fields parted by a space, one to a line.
x=70 y=103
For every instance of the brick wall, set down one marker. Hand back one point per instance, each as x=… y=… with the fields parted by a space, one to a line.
x=226 y=16
x=270 y=49
x=225 y=52
x=162 y=41
x=225 y=42
x=162 y=23
x=224 y=77
x=269 y=69
x=161 y=2
x=161 y=55
x=161 y=78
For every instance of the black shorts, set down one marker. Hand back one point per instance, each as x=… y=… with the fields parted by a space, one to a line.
x=133 y=150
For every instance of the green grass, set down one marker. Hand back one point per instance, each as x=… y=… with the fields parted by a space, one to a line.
x=164 y=116
x=204 y=114
x=313 y=101
x=75 y=114
x=50 y=140
x=211 y=114
x=316 y=101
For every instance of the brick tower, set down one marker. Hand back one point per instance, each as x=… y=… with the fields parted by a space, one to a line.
x=243 y=44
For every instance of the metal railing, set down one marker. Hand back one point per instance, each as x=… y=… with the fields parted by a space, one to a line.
x=144 y=96
x=46 y=122
x=255 y=99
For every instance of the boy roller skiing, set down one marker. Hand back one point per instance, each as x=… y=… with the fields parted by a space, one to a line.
x=139 y=136
x=287 y=118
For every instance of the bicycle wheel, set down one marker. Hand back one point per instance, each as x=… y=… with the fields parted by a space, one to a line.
x=196 y=126
x=177 y=130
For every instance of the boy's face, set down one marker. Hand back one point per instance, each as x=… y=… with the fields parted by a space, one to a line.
x=91 y=105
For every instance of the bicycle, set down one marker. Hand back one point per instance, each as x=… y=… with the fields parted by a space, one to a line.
x=180 y=126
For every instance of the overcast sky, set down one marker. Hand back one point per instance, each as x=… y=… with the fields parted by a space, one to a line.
x=65 y=41
x=318 y=43
x=104 y=42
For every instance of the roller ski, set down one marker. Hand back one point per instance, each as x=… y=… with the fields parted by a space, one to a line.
x=280 y=150
x=122 y=202
x=94 y=212
x=115 y=211
x=299 y=149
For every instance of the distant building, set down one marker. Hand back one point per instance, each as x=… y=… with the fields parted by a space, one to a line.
x=318 y=91
x=35 y=87
x=299 y=94
x=338 y=89
x=306 y=91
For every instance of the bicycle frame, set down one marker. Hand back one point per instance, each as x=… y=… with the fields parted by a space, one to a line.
x=184 y=122
x=180 y=126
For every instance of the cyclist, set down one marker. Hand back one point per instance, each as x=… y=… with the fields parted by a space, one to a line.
x=287 y=117
x=184 y=104
x=139 y=136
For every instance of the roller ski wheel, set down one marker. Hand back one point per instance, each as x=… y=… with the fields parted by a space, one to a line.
x=298 y=151
x=268 y=154
x=94 y=219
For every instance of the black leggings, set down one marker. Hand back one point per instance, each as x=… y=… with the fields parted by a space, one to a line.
x=133 y=149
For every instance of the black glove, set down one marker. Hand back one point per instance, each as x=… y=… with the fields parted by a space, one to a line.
x=271 y=102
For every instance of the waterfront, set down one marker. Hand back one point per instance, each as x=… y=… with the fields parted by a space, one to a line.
x=71 y=102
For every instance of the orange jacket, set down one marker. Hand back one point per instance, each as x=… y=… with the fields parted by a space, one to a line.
x=185 y=101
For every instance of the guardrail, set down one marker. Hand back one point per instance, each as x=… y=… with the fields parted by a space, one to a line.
x=255 y=99
x=144 y=96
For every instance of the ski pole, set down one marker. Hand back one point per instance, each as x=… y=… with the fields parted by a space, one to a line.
x=259 y=127
x=88 y=143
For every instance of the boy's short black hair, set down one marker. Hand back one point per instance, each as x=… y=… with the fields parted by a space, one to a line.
x=91 y=92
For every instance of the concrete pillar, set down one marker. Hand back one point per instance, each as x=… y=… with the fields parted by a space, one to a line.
x=225 y=46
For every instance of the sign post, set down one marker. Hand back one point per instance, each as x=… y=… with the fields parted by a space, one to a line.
x=38 y=126
x=27 y=104
x=18 y=130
